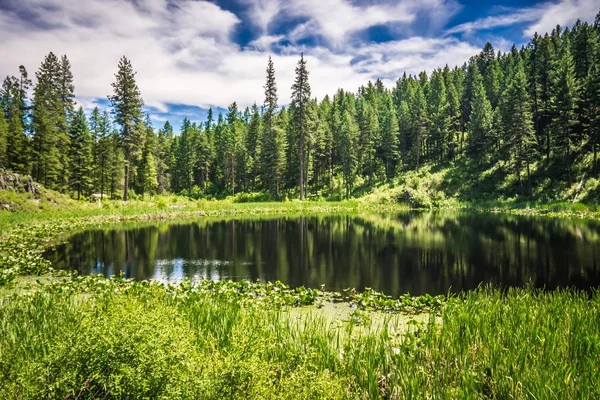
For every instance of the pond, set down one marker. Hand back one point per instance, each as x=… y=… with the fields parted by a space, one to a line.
x=411 y=252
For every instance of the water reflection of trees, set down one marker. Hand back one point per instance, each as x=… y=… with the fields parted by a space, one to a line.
x=397 y=253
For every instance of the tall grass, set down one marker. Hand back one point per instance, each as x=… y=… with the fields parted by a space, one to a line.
x=110 y=339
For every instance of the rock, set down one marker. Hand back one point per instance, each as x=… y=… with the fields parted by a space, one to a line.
x=4 y=206
x=19 y=183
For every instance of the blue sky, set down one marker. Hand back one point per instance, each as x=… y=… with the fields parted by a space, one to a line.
x=194 y=54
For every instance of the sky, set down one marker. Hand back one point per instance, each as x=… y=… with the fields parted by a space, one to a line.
x=194 y=54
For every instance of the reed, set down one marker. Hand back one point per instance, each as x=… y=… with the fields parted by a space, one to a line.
x=100 y=338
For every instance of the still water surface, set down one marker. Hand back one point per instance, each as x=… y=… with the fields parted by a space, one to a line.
x=413 y=252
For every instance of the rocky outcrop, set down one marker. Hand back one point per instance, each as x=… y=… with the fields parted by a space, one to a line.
x=19 y=183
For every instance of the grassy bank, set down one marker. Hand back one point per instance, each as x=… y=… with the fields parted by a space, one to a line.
x=98 y=338
x=91 y=337
x=25 y=234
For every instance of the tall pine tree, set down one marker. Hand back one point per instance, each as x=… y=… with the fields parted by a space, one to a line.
x=126 y=103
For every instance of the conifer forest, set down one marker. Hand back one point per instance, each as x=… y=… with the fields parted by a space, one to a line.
x=532 y=113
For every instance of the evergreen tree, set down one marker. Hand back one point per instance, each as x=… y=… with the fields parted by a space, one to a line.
x=301 y=121
x=324 y=145
x=565 y=94
x=14 y=102
x=453 y=133
x=438 y=115
x=184 y=158
x=480 y=120
x=389 y=140
x=419 y=124
x=253 y=141
x=472 y=73
x=233 y=154
x=147 y=169
x=592 y=93
x=47 y=166
x=80 y=155
x=369 y=137
x=114 y=164
x=272 y=143
x=100 y=128
x=349 y=149
x=126 y=103
x=66 y=92
x=163 y=156
x=518 y=123
x=3 y=140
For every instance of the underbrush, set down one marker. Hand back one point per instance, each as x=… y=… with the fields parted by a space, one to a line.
x=98 y=338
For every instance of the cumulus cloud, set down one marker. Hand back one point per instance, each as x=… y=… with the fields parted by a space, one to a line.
x=337 y=20
x=564 y=12
x=186 y=51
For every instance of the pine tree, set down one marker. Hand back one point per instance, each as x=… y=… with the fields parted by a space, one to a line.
x=272 y=152
x=3 y=140
x=492 y=82
x=592 y=93
x=14 y=102
x=126 y=103
x=17 y=147
x=466 y=101
x=100 y=128
x=419 y=124
x=389 y=140
x=565 y=94
x=80 y=155
x=438 y=115
x=349 y=149
x=49 y=126
x=324 y=148
x=184 y=158
x=480 y=120
x=300 y=123
x=518 y=123
x=253 y=141
x=369 y=137
x=114 y=164
x=233 y=154
x=66 y=94
x=162 y=156
x=147 y=169
x=453 y=133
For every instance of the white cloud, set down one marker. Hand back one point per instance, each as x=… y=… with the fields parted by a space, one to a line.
x=184 y=52
x=522 y=15
x=262 y=12
x=337 y=20
x=564 y=13
x=542 y=18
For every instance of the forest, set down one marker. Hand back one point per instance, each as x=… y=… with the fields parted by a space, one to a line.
x=530 y=115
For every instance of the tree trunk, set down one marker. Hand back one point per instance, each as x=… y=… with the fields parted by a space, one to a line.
x=102 y=182
x=547 y=146
x=595 y=155
x=126 y=184
x=529 y=179
x=301 y=151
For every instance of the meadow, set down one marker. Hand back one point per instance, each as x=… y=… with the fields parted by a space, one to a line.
x=92 y=337
x=97 y=338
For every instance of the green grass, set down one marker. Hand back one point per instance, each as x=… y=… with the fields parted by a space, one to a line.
x=98 y=338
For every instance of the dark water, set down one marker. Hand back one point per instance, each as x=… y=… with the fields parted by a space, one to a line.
x=432 y=252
